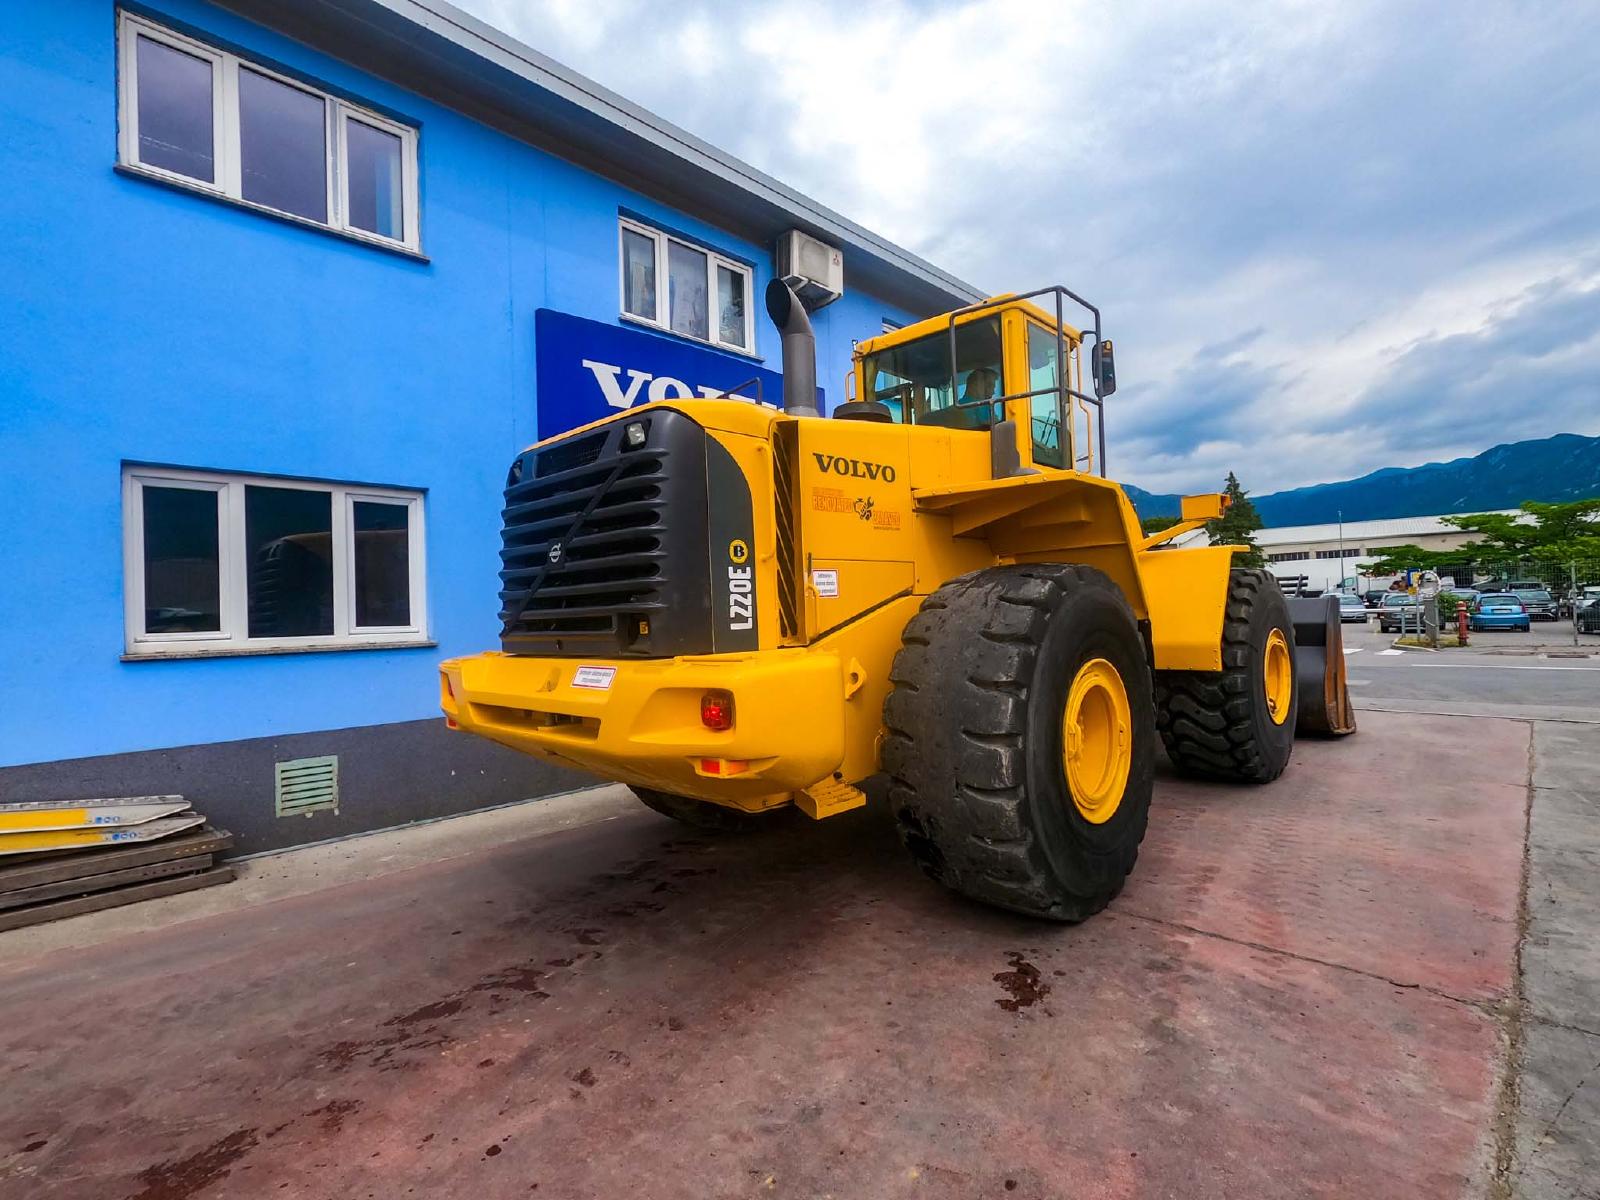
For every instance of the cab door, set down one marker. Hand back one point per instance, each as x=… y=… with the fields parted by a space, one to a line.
x=1034 y=362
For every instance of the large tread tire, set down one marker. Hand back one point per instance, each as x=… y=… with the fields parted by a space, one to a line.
x=974 y=739
x=1216 y=725
x=702 y=814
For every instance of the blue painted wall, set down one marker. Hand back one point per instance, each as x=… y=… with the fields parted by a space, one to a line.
x=145 y=324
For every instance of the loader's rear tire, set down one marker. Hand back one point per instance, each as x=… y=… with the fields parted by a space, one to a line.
x=702 y=814
x=1020 y=739
x=1237 y=725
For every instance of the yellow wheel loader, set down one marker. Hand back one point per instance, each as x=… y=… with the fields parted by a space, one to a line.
x=735 y=610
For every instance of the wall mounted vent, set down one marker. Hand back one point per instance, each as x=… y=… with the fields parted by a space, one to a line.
x=303 y=786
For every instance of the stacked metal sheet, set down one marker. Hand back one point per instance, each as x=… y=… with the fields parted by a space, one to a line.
x=60 y=858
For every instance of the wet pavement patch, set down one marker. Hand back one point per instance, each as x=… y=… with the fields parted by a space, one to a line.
x=428 y=1012
x=334 y=1112
x=1022 y=983
x=182 y=1178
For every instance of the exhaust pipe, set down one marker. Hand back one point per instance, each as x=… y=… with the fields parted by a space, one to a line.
x=799 y=350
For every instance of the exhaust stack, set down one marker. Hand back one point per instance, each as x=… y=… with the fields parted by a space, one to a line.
x=799 y=350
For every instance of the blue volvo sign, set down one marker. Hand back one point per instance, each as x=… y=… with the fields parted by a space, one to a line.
x=587 y=370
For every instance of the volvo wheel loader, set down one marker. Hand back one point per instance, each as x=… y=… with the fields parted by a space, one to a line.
x=736 y=610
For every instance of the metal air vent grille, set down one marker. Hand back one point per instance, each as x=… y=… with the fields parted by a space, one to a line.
x=306 y=785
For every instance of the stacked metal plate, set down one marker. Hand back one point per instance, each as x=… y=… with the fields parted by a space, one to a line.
x=60 y=858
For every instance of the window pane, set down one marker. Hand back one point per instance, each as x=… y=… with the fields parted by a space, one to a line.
x=730 y=304
x=686 y=289
x=283 y=147
x=175 y=111
x=383 y=563
x=1043 y=360
x=288 y=535
x=914 y=377
x=182 y=582
x=638 y=274
x=372 y=157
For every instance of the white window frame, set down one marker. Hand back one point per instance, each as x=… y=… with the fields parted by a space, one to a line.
x=417 y=583
x=228 y=181
x=662 y=318
x=233 y=573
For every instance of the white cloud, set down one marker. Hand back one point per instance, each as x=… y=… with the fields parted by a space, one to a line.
x=1347 y=182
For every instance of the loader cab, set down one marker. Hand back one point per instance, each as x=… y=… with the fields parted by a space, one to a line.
x=1005 y=360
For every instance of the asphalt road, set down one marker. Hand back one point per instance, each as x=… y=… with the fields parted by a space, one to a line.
x=1502 y=674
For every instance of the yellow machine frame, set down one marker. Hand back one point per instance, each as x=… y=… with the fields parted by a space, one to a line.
x=910 y=508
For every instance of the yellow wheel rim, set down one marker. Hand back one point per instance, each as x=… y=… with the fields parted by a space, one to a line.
x=1277 y=674
x=1097 y=740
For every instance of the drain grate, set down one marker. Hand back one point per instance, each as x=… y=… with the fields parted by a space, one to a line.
x=306 y=785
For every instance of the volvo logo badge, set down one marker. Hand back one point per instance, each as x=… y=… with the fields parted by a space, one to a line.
x=555 y=554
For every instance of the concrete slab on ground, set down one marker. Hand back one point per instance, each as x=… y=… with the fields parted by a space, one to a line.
x=1558 y=1122
x=1559 y=1115
x=1301 y=993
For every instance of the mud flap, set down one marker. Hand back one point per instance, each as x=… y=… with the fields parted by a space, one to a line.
x=1319 y=666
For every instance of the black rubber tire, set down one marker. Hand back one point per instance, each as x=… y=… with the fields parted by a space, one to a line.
x=974 y=743
x=701 y=814
x=1215 y=725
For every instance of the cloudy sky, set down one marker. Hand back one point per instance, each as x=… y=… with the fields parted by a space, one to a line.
x=1327 y=238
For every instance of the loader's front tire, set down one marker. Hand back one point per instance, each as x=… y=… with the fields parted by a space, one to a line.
x=701 y=814
x=1237 y=724
x=1020 y=739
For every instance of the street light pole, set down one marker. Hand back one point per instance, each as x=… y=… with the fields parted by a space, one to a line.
x=1341 y=548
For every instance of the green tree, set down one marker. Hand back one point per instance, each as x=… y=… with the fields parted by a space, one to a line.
x=1553 y=533
x=1237 y=525
x=1557 y=531
x=1397 y=559
x=1149 y=525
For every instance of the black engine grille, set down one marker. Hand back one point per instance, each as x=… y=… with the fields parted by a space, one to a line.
x=630 y=576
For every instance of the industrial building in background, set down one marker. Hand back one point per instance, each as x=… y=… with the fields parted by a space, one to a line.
x=1331 y=553
x=288 y=284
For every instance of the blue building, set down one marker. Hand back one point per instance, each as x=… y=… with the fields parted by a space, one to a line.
x=287 y=285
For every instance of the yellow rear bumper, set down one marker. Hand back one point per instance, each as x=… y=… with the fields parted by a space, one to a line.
x=643 y=726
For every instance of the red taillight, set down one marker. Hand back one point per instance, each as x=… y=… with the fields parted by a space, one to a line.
x=716 y=710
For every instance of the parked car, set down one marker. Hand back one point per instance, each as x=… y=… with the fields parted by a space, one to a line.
x=1587 y=618
x=1373 y=597
x=1351 y=608
x=1499 y=610
x=1398 y=607
x=1541 y=605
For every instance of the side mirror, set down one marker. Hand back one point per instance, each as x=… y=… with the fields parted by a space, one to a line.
x=1104 y=368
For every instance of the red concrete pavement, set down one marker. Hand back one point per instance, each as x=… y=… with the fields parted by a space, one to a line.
x=1292 y=998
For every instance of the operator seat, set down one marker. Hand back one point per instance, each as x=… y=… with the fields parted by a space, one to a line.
x=960 y=416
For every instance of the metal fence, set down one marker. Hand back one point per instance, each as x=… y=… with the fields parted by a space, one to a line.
x=1564 y=579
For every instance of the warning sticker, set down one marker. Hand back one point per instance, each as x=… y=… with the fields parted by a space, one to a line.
x=826 y=583
x=598 y=678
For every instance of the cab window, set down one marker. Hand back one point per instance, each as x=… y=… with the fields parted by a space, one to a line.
x=913 y=379
x=1044 y=371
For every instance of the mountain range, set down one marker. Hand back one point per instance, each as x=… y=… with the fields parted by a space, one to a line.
x=1559 y=468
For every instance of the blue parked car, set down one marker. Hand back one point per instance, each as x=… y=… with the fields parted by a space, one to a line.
x=1499 y=610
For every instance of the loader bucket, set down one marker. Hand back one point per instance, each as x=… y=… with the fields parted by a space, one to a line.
x=1319 y=665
